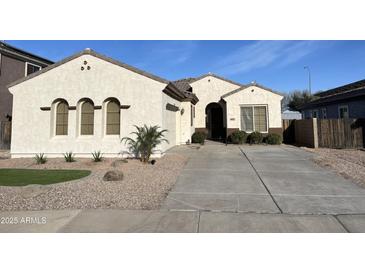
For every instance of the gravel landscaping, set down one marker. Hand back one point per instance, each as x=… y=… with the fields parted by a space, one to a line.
x=349 y=163
x=144 y=186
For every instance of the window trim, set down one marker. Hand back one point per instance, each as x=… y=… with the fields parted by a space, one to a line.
x=106 y=103
x=26 y=67
x=253 y=116
x=343 y=106
x=56 y=104
x=82 y=102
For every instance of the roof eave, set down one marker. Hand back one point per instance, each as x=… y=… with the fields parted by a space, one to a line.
x=9 y=49
x=92 y=53
x=216 y=76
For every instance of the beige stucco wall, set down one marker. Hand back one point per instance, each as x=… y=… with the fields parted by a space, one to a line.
x=253 y=95
x=209 y=90
x=171 y=122
x=186 y=129
x=32 y=131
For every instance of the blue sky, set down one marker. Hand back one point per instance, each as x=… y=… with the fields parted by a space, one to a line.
x=276 y=64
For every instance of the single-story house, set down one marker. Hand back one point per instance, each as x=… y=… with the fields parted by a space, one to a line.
x=346 y=101
x=88 y=102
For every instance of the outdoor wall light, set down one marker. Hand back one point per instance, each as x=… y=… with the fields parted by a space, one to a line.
x=182 y=111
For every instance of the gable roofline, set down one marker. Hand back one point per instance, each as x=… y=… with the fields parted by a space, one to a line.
x=336 y=98
x=247 y=86
x=95 y=54
x=340 y=94
x=11 y=50
x=216 y=76
x=342 y=89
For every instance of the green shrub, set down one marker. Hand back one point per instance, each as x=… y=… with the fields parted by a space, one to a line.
x=255 y=138
x=147 y=139
x=273 y=139
x=98 y=156
x=40 y=158
x=69 y=157
x=198 y=138
x=238 y=137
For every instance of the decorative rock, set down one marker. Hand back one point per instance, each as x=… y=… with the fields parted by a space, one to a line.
x=113 y=175
x=31 y=191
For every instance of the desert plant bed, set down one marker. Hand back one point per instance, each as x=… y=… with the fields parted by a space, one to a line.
x=349 y=163
x=143 y=186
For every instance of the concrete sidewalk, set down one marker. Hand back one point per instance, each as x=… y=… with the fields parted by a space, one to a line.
x=147 y=221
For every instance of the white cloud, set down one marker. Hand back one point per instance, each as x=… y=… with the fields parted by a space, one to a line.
x=174 y=52
x=264 y=53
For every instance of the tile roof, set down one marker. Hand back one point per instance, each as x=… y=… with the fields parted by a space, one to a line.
x=176 y=90
x=183 y=84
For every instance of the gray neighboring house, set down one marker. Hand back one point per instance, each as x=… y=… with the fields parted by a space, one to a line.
x=291 y=115
x=346 y=101
x=15 y=64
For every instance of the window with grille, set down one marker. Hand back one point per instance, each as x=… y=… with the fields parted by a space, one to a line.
x=343 y=111
x=113 y=118
x=87 y=118
x=61 y=118
x=260 y=118
x=254 y=118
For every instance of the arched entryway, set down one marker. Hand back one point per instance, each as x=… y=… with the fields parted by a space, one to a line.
x=214 y=121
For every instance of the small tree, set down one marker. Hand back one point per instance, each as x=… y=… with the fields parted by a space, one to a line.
x=298 y=98
x=147 y=139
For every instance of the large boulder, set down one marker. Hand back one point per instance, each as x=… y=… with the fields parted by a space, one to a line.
x=113 y=175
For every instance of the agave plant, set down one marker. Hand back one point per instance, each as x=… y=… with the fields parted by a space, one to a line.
x=97 y=155
x=69 y=157
x=147 y=139
x=40 y=158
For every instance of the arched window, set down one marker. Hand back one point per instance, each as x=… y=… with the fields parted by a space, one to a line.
x=61 y=118
x=113 y=118
x=87 y=118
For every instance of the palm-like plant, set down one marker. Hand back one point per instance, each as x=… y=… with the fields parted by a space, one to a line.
x=147 y=139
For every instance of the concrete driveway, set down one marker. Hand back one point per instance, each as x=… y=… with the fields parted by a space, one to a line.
x=261 y=179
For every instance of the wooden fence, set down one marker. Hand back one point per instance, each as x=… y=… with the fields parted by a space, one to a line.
x=341 y=133
x=330 y=133
x=5 y=134
x=289 y=131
